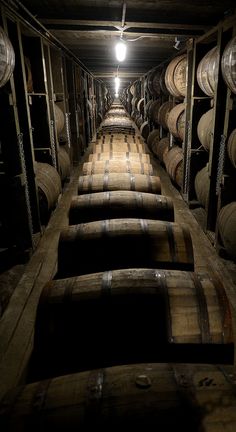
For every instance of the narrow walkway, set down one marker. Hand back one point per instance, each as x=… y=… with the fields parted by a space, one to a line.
x=17 y=324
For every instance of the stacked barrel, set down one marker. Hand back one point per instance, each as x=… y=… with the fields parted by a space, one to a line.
x=125 y=294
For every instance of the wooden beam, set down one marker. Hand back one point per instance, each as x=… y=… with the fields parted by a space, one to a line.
x=129 y=24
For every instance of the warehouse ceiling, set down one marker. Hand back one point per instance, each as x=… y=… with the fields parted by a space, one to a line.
x=90 y=29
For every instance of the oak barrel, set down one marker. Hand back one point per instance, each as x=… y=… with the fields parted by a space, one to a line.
x=161 y=148
x=119 y=181
x=167 y=397
x=228 y=64
x=163 y=113
x=175 y=76
x=227 y=228
x=123 y=243
x=153 y=111
x=7 y=59
x=173 y=159
x=59 y=118
x=153 y=136
x=145 y=129
x=116 y=166
x=142 y=157
x=119 y=147
x=153 y=82
x=49 y=183
x=63 y=163
x=204 y=129
x=120 y=204
x=176 y=121
x=207 y=71
x=231 y=147
x=202 y=186
x=180 y=311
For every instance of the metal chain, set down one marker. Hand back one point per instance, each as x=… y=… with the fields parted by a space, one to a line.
x=68 y=131
x=221 y=162
x=186 y=176
x=24 y=172
x=53 y=144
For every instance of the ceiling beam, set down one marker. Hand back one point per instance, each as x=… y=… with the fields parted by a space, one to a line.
x=117 y=24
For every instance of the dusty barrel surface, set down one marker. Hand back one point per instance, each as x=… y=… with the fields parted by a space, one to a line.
x=181 y=311
x=119 y=147
x=175 y=76
x=59 y=118
x=119 y=166
x=144 y=395
x=120 y=204
x=143 y=242
x=231 y=147
x=228 y=64
x=153 y=82
x=207 y=71
x=118 y=181
x=153 y=111
x=204 y=129
x=227 y=228
x=176 y=121
x=63 y=163
x=145 y=129
x=173 y=160
x=7 y=59
x=49 y=184
x=202 y=185
x=161 y=148
x=141 y=157
x=163 y=114
x=153 y=136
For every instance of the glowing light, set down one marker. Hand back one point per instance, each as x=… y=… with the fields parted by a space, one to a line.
x=120 y=51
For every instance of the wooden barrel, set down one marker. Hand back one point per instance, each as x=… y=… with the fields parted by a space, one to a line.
x=118 y=137
x=164 y=89
x=49 y=183
x=123 y=243
x=231 y=147
x=119 y=147
x=207 y=71
x=173 y=159
x=63 y=163
x=116 y=166
x=176 y=121
x=170 y=304
x=202 y=185
x=153 y=111
x=204 y=129
x=153 y=82
x=166 y=396
x=120 y=204
x=7 y=60
x=118 y=181
x=59 y=118
x=160 y=148
x=228 y=64
x=154 y=135
x=227 y=228
x=145 y=129
x=139 y=121
x=142 y=157
x=175 y=76
x=163 y=113
x=140 y=106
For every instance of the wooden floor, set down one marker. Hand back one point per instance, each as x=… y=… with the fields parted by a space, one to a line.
x=17 y=323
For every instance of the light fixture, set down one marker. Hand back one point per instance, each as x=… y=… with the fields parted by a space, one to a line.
x=117 y=84
x=121 y=49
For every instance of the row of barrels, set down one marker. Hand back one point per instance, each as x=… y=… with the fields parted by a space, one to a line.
x=125 y=294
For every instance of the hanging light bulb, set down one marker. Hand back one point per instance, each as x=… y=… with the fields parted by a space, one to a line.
x=117 y=84
x=120 y=51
